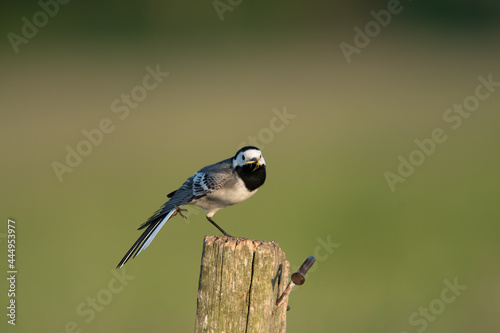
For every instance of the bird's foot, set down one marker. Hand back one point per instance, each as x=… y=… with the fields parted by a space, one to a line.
x=179 y=210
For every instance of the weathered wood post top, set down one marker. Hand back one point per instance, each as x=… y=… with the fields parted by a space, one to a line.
x=240 y=282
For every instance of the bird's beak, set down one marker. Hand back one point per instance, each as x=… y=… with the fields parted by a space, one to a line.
x=254 y=161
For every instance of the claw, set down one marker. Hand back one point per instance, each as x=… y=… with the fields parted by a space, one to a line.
x=179 y=210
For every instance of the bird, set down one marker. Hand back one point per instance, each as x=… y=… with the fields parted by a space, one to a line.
x=212 y=188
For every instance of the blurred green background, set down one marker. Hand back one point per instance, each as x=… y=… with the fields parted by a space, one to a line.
x=390 y=251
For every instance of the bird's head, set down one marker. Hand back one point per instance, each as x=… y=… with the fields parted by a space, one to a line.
x=249 y=157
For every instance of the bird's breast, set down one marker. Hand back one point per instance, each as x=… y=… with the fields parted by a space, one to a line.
x=229 y=194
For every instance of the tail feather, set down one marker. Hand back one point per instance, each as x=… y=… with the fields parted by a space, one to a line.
x=146 y=238
x=149 y=238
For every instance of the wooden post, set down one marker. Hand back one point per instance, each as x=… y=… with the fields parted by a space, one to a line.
x=240 y=282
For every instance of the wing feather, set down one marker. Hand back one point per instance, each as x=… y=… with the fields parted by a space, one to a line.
x=211 y=178
x=205 y=181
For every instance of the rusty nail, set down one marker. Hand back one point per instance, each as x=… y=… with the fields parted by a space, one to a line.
x=298 y=278
x=285 y=294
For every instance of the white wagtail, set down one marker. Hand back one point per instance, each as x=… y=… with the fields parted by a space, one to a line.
x=212 y=188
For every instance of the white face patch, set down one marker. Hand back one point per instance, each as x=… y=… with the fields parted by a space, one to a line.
x=247 y=155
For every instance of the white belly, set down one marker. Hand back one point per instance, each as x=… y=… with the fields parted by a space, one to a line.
x=225 y=196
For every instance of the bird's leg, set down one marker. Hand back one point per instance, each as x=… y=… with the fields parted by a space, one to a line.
x=220 y=229
x=179 y=210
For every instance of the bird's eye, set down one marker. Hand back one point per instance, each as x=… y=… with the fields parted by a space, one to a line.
x=243 y=157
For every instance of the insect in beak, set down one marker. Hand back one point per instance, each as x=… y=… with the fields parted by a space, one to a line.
x=256 y=162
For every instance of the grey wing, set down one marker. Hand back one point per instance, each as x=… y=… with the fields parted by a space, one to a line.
x=211 y=178
x=205 y=181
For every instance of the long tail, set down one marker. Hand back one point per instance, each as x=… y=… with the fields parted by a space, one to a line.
x=146 y=238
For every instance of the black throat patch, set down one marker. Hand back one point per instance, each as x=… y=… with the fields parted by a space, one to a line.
x=252 y=179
